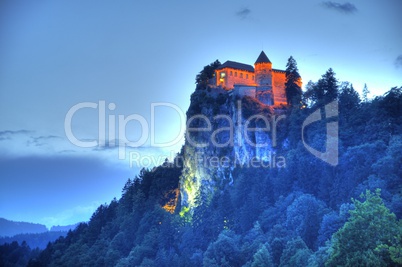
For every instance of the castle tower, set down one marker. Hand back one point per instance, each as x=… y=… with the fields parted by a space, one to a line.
x=263 y=79
x=263 y=71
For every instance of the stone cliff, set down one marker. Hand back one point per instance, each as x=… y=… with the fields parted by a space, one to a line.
x=224 y=132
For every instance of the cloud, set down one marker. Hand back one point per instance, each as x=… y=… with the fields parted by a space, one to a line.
x=109 y=145
x=243 y=13
x=347 y=8
x=398 y=62
x=8 y=134
x=42 y=140
x=20 y=143
x=115 y=145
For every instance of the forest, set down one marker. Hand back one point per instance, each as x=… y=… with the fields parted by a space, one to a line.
x=306 y=214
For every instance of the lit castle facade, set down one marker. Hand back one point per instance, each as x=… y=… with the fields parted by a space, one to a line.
x=261 y=81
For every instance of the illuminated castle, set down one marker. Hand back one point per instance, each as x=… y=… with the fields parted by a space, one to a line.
x=261 y=81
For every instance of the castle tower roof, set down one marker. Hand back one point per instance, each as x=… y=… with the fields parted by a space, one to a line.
x=262 y=58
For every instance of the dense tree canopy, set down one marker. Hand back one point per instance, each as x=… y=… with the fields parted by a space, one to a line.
x=207 y=73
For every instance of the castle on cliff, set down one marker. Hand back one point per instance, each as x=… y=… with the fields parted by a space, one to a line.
x=261 y=81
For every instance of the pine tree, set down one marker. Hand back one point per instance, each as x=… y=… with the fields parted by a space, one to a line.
x=325 y=90
x=348 y=98
x=330 y=85
x=365 y=93
x=296 y=253
x=292 y=85
x=262 y=258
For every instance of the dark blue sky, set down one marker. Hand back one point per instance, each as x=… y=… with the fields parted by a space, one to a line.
x=56 y=54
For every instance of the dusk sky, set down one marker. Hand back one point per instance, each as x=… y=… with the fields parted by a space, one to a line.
x=130 y=54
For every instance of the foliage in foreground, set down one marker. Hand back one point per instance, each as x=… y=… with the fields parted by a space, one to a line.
x=371 y=236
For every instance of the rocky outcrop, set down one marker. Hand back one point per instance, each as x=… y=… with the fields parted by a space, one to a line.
x=223 y=132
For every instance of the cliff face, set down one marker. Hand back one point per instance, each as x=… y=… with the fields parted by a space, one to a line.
x=224 y=132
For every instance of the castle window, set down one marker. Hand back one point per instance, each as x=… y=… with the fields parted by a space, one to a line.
x=235 y=73
x=246 y=76
x=241 y=75
x=253 y=77
x=231 y=73
x=223 y=75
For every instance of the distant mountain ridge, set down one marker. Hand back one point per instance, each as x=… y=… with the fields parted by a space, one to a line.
x=64 y=228
x=34 y=234
x=11 y=228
